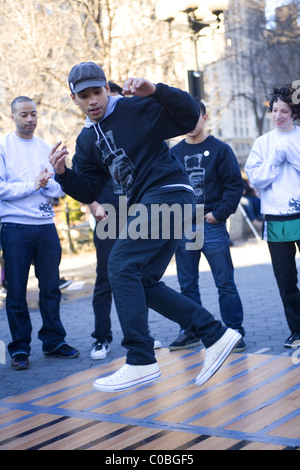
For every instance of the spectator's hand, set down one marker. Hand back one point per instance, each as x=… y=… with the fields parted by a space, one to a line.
x=42 y=179
x=210 y=218
x=100 y=213
x=138 y=87
x=57 y=158
x=292 y=152
x=279 y=156
x=97 y=211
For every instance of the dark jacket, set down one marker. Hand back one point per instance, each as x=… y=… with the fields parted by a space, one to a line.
x=214 y=174
x=129 y=145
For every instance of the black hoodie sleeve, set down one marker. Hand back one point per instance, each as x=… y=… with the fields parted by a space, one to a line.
x=177 y=114
x=84 y=182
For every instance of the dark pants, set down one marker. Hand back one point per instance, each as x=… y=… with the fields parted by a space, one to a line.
x=135 y=268
x=285 y=270
x=217 y=252
x=22 y=245
x=102 y=297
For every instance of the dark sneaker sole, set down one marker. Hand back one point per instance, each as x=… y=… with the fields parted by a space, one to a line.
x=239 y=348
x=20 y=366
x=185 y=346
x=59 y=356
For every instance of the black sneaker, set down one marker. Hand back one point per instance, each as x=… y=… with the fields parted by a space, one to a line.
x=63 y=352
x=20 y=361
x=185 y=340
x=293 y=341
x=240 y=346
x=63 y=283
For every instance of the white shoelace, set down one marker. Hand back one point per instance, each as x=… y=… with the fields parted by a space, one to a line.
x=119 y=373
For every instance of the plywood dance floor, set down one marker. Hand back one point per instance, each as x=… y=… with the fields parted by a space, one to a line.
x=251 y=403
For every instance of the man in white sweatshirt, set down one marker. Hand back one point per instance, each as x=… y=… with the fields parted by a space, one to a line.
x=28 y=234
x=273 y=167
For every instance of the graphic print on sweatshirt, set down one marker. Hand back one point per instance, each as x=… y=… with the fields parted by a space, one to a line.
x=196 y=175
x=294 y=205
x=119 y=165
x=46 y=209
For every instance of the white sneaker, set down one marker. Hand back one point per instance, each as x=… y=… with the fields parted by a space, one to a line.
x=126 y=377
x=216 y=355
x=100 y=350
x=157 y=344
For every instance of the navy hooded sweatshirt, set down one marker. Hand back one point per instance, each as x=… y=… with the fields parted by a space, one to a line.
x=214 y=174
x=128 y=144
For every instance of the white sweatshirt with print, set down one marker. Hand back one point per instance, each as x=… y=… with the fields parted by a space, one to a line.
x=273 y=167
x=21 y=160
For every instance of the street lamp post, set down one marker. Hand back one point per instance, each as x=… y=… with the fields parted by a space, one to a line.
x=198 y=18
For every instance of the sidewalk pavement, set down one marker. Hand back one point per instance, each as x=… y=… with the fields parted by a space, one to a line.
x=264 y=320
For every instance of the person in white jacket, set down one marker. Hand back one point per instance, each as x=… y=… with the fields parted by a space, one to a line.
x=28 y=234
x=273 y=167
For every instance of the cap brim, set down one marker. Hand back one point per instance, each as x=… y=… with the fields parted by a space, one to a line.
x=88 y=84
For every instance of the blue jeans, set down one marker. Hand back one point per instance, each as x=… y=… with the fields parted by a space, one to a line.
x=217 y=252
x=135 y=268
x=22 y=245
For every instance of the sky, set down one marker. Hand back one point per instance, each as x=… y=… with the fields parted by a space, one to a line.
x=272 y=4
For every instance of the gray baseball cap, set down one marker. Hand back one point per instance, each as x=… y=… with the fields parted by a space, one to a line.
x=85 y=75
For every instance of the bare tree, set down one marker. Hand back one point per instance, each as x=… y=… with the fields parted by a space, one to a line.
x=41 y=40
x=282 y=43
x=31 y=58
x=268 y=56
